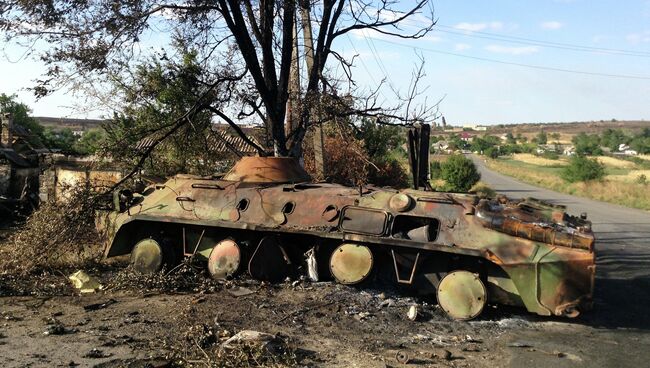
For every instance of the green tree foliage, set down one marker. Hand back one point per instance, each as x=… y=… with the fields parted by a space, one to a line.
x=555 y=136
x=435 y=170
x=380 y=139
x=481 y=144
x=612 y=138
x=551 y=155
x=641 y=142
x=587 y=144
x=455 y=142
x=541 y=138
x=510 y=149
x=20 y=113
x=492 y=152
x=159 y=93
x=245 y=48
x=383 y=145
x=510 y=139
x=460 y=173
x=581 y=168
x=90 y=142
x=390 y=173
x=63 y=140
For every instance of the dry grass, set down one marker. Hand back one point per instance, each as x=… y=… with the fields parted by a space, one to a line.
x=483 y=190
x=614 y=162
x=630 y=177
x=644 y=157
x=57 y=235
x=535 y=160
x=625 y=193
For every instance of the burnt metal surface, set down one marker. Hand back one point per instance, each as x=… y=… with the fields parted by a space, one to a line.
x=224 y=259
x=527 y=253
x=351 y=263
x=267 y=170
x=462 y=295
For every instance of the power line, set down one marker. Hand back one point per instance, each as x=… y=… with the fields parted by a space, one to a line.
x=541 y=67
x=362 y=62
x=543 y=44
x=378 y=60
x=531 y=41
x=366 y=67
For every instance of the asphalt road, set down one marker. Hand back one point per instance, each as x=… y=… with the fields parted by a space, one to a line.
x=622 y=295
x=617 y=331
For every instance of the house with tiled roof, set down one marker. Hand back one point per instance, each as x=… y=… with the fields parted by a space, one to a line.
x=19 y=161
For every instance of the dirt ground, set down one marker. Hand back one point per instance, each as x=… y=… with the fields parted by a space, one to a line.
x=183 y=320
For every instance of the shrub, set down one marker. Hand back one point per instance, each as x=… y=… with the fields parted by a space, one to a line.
x=435 y=169
x=58 y=235
x=492 y=152
x=587 y=144
x=581 y=168
x=482 y=190
x=550 y=155
x=642 y=179
x=389 y=173
x=460 y=173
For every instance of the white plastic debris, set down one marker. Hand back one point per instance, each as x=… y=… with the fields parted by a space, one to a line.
x=312 y=267
x=412 y=313
x=250 y=336
x=84 y=282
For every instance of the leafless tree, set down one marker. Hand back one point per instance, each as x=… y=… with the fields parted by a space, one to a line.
x=98 y=41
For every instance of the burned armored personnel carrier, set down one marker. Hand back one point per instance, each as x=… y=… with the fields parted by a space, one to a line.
x=266 y=217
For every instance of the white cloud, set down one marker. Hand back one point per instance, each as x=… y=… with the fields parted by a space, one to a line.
x=523 y=50
x=638 y=37
x=474 y=27
x=551 y=25
x=462 y=47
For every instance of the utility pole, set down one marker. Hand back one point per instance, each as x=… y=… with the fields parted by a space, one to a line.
x=292 y=118
x=309 y=59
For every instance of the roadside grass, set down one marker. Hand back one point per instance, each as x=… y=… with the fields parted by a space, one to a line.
x=483 y=190
x=614 y=162
x=618 y=187
x=539 y=161
x=630 y=176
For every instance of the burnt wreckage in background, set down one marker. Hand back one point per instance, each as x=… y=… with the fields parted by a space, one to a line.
x=265 y=217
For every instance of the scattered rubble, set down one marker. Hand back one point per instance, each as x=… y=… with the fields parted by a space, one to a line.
x=84 y=282
x=97 y=306
x=96 y=354
x=402 y=357
x=240 y=291
x=55 y=327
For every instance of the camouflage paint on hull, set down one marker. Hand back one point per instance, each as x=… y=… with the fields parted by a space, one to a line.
x=529 y=253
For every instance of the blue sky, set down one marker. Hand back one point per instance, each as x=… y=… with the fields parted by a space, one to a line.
x=485 y=91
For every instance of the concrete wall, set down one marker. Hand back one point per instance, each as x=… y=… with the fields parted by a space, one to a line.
x=56 y=182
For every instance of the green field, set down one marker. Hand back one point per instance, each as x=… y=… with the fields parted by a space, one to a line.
x=619 y=186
